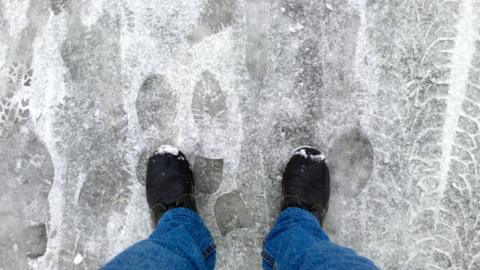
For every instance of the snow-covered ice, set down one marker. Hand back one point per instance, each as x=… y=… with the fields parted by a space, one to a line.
x=389 y=91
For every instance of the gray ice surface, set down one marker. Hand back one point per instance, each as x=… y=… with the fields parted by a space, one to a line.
x=389 y=90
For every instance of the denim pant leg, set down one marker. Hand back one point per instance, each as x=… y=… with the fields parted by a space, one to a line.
x=180 y=241
x=297 y=241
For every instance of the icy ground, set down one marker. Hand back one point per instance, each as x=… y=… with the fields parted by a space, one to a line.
x=390 y=90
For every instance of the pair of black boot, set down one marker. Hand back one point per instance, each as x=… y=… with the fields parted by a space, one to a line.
x=305 y=183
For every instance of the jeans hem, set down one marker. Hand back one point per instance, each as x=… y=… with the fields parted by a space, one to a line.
x=297 y=212
x=180 y=212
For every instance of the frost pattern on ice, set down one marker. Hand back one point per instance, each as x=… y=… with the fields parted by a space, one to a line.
x=439 y=131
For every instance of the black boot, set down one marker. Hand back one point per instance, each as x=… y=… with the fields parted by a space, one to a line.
x=306 y=182
x=169 y=182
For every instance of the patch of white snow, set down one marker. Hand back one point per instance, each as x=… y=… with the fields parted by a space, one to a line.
x=78 y=259
x=167 y=149
x=301 y=152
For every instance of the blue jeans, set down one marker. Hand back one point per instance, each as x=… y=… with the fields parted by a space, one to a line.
x=181 y=241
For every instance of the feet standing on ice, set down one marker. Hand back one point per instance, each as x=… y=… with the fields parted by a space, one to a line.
x=169 y=182
x=306 y=182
